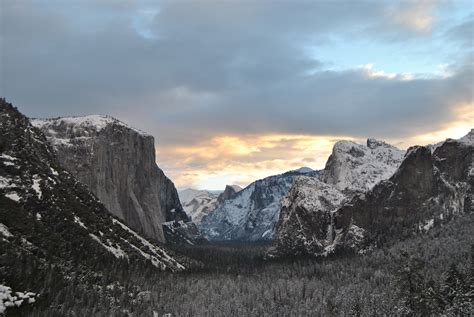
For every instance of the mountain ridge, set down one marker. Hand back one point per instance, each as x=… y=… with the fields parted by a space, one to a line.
x=427 y=181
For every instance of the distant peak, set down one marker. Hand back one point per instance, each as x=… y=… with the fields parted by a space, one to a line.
x=374 y=143
x=304 y=170
x=236 y=188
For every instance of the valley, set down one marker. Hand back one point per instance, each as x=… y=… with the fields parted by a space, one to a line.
x=234 y=279
x=85 y=210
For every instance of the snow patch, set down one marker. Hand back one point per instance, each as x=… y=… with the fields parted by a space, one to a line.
x=158 y=252
x=54 y=172
x=116 y=251
x=4 y=231
x=79 y=222
x=5 y=182
x=36 y=186
x=7 y=157
x=9 y=299
x=13 y=196
x=427 y=226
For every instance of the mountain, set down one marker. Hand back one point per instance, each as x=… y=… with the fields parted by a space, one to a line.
x=117 y=163
x=358 y=167
x=198 y=203
x=252 y=214
x=319 y=218
x=229 y=192
x=50 y=222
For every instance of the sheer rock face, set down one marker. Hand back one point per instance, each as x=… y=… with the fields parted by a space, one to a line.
x=118 y=164
x=46 y=214
x=427 y=188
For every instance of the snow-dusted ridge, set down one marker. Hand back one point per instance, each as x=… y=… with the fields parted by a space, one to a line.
x=95 y=122
x=373 y=191
x=252 y=214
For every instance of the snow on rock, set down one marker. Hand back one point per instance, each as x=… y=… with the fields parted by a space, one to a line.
x=7 y=160
x=252 y=214
x=198 y=203
x=94 y=122
x=4 y=231
x=359 y=167
x=36 y=186
x=468 y=139
x=427 y=225
x=308 y=223
x=427 y=185
x=158 y=257
x=5 y=182
x=9 y=299
x=115 y=250
x=79 y=222
x=13 y=196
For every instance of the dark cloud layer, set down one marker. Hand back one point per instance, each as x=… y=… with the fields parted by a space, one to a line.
x=202 y=68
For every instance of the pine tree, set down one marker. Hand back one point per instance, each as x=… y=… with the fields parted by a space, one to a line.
x=411 y=286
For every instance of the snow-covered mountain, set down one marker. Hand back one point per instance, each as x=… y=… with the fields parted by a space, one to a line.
x=252 y=214
x=199 y=203
x=50 y=218
x=358 y=167
x=117 y=163
x=306 y=213
x=429 y=186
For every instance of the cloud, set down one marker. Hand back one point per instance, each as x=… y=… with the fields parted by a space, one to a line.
x=208 y=77
x=415 y=15
x=242 y=159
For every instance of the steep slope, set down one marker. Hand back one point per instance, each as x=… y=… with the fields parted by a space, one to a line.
x=198 y=203
x=426 y=189
x=252 y=214
x=305 y=224
x=117 y=163
x=50 y=219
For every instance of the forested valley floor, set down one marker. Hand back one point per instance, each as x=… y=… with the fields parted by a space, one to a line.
x=428 y=274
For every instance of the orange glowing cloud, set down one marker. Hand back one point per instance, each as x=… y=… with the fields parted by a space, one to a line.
x=460 y=126
x=242 y=159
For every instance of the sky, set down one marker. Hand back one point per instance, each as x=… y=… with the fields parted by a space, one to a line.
x=234 y=91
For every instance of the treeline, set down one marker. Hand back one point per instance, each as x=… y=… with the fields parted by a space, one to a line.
x=428 y=274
